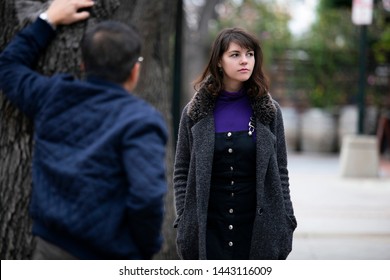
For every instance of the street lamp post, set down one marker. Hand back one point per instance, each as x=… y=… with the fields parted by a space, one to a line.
x=362 y=11
x=359 y=154
x=362 y=78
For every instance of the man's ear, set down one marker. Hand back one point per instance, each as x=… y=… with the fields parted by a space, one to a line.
x=133 y=77
x=134 y=74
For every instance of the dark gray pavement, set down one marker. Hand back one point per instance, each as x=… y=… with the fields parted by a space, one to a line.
x=338 y=218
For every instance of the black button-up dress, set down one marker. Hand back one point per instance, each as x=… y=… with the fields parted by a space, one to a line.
x=232 y=203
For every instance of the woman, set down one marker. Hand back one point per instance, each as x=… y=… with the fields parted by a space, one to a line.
x=231 y=180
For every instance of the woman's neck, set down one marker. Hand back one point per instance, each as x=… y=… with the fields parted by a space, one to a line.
x=232 y=86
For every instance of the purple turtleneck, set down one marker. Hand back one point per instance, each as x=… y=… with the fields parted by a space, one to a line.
x=232 y=111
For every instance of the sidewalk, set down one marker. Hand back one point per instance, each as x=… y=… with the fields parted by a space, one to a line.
x=338 y=218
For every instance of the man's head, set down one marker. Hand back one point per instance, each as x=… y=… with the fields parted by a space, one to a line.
x=110 y=50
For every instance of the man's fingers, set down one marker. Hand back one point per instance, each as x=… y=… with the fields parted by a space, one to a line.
x=81 y=16
x=66 y=11
x=84 y=4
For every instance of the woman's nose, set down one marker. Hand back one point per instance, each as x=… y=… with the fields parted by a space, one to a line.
x=244 y=60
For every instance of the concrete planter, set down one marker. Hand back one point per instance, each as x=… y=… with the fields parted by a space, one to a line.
x=347 y=123
x=318 y=132
x=291 y=127
x=359 y=156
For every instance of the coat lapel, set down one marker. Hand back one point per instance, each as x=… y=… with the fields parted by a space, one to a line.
x=265 y=143
x=203 y=135
x=204 y=138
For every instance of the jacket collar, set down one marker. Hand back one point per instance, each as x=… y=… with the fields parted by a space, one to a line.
x=101 y=82
x=203 y=103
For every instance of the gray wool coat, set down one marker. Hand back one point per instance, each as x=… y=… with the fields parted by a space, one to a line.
x=275 y=222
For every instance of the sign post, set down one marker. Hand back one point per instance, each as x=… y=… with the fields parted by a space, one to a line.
x=362 y=11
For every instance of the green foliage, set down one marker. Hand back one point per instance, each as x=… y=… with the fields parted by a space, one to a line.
x=381 y=48
x=331 y=46
x=335 y=4
x=380 y=37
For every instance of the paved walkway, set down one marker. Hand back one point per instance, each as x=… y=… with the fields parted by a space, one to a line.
x=338 y=218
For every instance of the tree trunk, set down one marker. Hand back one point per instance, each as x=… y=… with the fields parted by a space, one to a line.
x=197 y=47
x=15 y=158
x=155 y=20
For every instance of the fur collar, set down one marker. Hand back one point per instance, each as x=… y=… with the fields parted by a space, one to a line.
x=203 y=102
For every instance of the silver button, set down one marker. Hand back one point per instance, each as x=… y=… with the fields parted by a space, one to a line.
x=229 y=134
x=231 y=168
x=230 y=244
x=232 y=183
x=230 y=227
x=231 y=211
x=230 y=150
x=232 y=194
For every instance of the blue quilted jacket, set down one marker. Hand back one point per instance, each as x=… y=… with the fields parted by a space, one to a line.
x=98 y=167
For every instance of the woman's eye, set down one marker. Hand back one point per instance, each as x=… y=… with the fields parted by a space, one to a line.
x=250 y=54
x=234 y=55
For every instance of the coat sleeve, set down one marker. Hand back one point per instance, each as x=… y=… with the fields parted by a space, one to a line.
x=181 y=165
x=144 y=161
x=23 y=86
x=282 y=162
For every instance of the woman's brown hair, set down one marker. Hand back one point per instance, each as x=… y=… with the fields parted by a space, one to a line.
x=212 y=77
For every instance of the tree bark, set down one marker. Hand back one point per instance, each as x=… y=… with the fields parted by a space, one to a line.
x=155 y=20
x=197 y=47
x=15 y=157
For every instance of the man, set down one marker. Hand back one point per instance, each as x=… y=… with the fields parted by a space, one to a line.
x=98 y=166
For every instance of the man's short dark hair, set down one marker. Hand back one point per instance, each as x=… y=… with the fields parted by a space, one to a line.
x=110 y=50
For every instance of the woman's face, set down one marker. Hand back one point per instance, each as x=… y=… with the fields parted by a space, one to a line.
x=237 y=64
